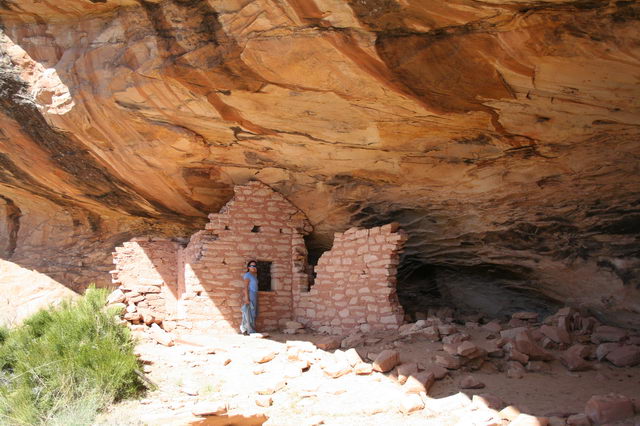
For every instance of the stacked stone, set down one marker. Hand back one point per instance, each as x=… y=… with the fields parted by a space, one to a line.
x=356 y=283
x=257 y=224
x=146 y=271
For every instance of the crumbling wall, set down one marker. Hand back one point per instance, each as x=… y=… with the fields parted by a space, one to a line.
x=259 y=224
x=355 y=284
x=146 y=271
x=200 y=287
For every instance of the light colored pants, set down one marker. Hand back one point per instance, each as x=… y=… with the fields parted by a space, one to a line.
x=249 y=313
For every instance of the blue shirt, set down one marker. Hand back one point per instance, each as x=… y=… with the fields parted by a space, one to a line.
x=253 y=281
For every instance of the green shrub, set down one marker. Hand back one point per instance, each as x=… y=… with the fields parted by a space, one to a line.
x=66 y=363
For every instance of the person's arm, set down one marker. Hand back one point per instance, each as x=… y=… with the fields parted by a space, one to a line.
x=246 y=291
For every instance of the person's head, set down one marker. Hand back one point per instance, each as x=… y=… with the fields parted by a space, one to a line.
x=252 y=266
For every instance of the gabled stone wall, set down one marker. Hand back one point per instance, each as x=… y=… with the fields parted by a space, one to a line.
x=199 y=287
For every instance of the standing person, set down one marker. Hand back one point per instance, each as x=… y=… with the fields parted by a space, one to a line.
x=250 y=302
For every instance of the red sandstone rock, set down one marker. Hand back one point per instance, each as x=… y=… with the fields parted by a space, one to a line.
x=526 y=316
x=466 y=348
x=573 y=358
x=470 y=382
x=160 y=336
x=386 y=360
x=525 y=344
x=450 y=348
x=624 y=356
x=556 y=334
x=438 y=371
x=270 y=385
x=456 y=338
x=431 y=333
x=604 y=348
x=509 y=413
x=448 y=361
x=515 y=370
x=328 y=343
x=336 y=368
x=117 y=296
x=447 y=329
x=511 y=333
x=578 y=420
x=493 y=327
x=486 y=400
x=608 y=408
x=606 y=333
x=516 y=355
x=420 y=382
x=406 y=370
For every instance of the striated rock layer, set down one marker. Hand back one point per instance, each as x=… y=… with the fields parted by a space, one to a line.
x=502 y=136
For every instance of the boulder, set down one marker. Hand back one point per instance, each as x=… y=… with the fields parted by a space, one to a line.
x=515 y=370
x=470 y=382
x=624 y=356
x=573 y=358
x=556 y=334
x=603 y=349
x=493 y=327
x=160 y=336
x=438 y=371
x=406 y=370
x=526 y=344
x=448 y=361
x=421 y=382
x=486 y=400
x=329 y=343
x=466 y=348
x=386 y=360
x=117 y=296
x=608 y=408
x=606 y=333
x=578 y=420
x=431 y=333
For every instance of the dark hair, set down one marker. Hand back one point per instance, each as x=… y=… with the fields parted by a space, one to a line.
x=250 y=262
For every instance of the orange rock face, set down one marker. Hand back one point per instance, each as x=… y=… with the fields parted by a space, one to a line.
x=502 y=136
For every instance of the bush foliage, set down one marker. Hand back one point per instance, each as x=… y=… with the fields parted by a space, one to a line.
x=66 y=363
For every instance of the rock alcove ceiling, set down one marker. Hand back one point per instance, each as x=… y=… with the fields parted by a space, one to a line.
x=501 y=135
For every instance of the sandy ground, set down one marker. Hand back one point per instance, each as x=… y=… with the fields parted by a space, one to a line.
x=222 y=368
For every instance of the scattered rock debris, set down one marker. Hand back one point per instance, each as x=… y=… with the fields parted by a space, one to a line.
x=567 y=369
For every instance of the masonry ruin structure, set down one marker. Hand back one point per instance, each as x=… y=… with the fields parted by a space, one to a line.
x=198 y=287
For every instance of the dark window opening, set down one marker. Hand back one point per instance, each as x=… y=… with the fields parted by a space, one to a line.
x=255 y=229
x=264 y=275
x=226 y=227
x=315 y=248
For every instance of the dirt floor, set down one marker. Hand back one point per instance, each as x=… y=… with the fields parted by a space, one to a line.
x=223 y=369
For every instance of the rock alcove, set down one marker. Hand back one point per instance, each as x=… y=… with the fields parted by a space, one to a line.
x=502 y=137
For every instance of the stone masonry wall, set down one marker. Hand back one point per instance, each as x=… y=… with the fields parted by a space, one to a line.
x=355 y=285
x=199 y=288
x=259 y=224
x=146 y=270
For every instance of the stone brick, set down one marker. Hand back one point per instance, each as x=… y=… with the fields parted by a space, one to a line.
x=608 y=408
x=607 y=333
x=624 y=356
x=386 y=360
